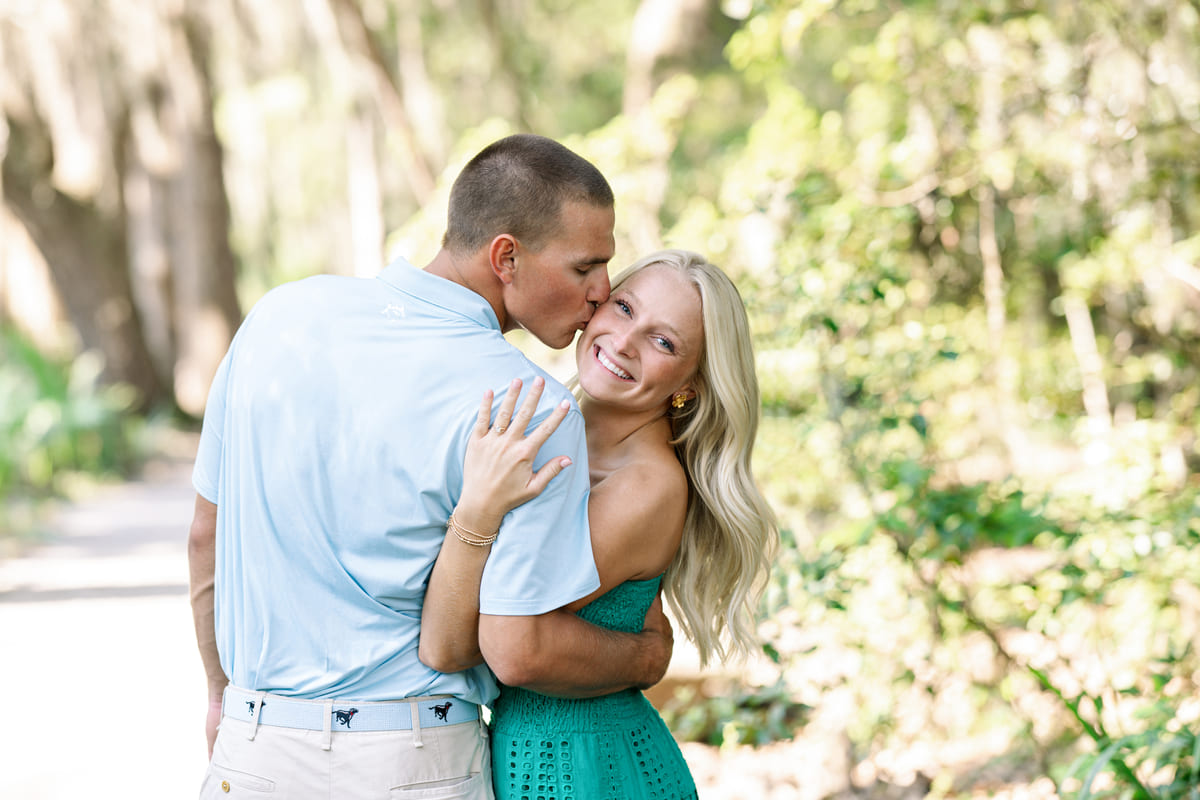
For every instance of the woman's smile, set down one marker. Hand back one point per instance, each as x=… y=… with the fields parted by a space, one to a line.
x=608 y=364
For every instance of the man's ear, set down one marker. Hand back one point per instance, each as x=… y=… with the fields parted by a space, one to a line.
x=502 y=255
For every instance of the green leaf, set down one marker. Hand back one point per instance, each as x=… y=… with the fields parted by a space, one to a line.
x=1106 y=755
x=920 y=425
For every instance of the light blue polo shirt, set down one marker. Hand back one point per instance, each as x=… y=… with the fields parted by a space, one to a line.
x=333 y=445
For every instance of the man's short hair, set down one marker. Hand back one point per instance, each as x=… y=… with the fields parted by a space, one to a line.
x=518 y=185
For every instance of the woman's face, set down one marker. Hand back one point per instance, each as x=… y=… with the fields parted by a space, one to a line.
x=644 y=343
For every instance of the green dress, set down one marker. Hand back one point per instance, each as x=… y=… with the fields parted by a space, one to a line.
x=617 y=746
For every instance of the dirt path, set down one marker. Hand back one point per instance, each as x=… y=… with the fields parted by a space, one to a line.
x=99 y=658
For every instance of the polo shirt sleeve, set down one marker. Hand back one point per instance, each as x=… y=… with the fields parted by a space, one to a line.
x=543 y=559
x=206 y=473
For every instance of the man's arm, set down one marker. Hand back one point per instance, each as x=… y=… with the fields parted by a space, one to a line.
x=562 y=655
x=202 y=556
x=556 y=653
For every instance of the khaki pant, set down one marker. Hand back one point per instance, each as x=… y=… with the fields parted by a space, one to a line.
x=453 y=761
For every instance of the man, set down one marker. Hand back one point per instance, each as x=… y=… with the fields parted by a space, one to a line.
x=330 y=461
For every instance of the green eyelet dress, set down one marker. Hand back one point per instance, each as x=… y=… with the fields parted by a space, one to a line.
x=617 y=746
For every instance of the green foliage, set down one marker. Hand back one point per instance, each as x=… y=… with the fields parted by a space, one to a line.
x=756 y=717
x=945 y=524
x=959 y=591
x=957 y=516
x=55 y=420
x=1166 y=750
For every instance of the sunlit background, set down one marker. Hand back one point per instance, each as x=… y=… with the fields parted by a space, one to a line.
x=967 y=235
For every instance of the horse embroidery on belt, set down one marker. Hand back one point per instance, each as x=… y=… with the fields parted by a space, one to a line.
x=344 y=717
x=441 y=711
x=250 y=703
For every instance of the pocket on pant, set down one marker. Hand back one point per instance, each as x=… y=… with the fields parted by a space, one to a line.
x=221 y=781
x=474 y=787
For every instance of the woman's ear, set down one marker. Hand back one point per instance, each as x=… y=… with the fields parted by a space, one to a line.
x=502 y=255
x=682 y=396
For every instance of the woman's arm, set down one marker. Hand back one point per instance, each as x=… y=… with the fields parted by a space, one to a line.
x=636 y=517
x=497 y=477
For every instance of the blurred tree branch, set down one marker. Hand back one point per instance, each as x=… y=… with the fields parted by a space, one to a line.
x=389 y=92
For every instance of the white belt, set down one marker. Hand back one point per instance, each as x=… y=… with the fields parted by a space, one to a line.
x=262 y=708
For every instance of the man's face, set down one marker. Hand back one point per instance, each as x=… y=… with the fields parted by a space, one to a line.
x=554 y=290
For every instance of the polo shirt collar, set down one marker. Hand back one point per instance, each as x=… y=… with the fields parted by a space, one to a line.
x=403 y=276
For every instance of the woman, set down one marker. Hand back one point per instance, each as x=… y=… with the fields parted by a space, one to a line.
x=670 y=401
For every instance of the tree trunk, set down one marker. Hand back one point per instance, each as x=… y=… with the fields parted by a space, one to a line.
x=113 y=166
x=1001 y=371
x=665 y=32
x=508 y=82
x=86 y=251
x=389 y=93
x=1091 y=364
x=422 y=100
x=202 y=263
x=28 y=300
x=150 y=262
x=366 y=211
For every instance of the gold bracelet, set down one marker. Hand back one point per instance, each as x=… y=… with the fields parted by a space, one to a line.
x=473 y=538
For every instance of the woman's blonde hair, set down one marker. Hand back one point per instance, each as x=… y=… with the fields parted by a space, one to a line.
x=730 y=532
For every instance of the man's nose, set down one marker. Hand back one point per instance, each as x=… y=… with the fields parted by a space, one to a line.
x=599 y=290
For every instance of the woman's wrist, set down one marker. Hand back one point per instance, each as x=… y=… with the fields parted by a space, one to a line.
x=476 y=538
x=473 y=525
x=478 y=517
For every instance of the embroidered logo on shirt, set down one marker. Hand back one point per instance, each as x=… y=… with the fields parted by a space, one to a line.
x=343 y=717
x=441 y=711
x=393 y=311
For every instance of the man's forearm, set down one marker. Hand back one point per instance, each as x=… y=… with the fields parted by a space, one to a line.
x=202 y=545
x=561 y=655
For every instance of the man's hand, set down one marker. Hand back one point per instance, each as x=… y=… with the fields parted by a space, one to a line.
x=660 y=642
x=210 y=724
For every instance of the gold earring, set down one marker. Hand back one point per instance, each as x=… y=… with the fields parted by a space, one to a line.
x=678 y=400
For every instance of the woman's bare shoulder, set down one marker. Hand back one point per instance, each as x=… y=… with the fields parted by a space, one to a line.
x=639 y=509
x=654 y=473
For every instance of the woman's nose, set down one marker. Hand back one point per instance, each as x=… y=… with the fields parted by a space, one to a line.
x=620 y=341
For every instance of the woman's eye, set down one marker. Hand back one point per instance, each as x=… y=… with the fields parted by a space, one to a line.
x=666 y=344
